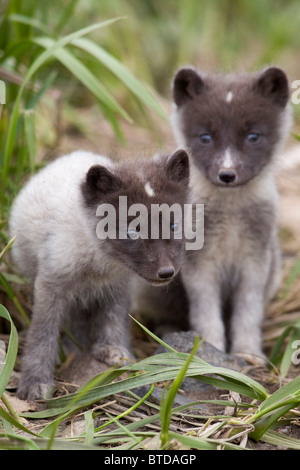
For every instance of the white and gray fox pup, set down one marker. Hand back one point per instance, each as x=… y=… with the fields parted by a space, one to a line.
x=72 y=270
x=234 y=127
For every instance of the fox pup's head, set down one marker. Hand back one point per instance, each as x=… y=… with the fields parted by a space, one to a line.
x=126 y=198
x=232 y=124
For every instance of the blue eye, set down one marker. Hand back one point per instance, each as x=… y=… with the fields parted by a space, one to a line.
x=133 y=234
x=252 y=137
x=205 y=138
x=175 y=228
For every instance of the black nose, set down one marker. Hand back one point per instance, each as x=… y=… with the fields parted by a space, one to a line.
x=227 y=176
x=166 y=273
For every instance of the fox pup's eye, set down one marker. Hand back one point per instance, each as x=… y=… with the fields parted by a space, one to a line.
x=133 y=234
x=253 y=137
x=205 y=138
x=175 y=228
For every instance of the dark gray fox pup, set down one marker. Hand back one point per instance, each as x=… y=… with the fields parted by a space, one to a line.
x=75 y=271
x=234 y=127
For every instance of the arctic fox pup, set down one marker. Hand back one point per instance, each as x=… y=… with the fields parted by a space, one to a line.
x=234 y=127
x=72 y=270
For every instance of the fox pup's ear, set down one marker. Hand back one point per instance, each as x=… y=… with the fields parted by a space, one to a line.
x=178 y=167
x=273 y=84
x=99 y=181
x=187 y=84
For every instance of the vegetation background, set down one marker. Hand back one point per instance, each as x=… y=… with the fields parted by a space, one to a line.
x=97 y=75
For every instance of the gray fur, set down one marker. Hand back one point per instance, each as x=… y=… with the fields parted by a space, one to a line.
x=239 y=265
x=75 y=274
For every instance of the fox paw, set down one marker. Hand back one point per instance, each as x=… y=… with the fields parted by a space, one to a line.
x=35 y=391
x=112 y=355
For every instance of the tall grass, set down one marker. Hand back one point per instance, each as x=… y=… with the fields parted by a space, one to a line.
x=31 y=89
x=26 y=52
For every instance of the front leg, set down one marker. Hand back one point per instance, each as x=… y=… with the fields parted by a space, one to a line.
x=248 y=313
x=110 y=328
x=41 y=347
x=203 y=288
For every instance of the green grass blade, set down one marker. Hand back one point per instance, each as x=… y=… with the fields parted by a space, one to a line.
x=198 y=443
x=89 y=435
x=11 y=353
x=167 y=402
x=47 y=83
x=292 y=277
x=10 y=419
x=278 y=439
x=116 y=67
x=34 y=22
x=7 y=247
x=73 y=402
x=16 y=441
x=275 y=406
x=262 y=425
x=156 y=338
x=67 y=14
x=201 y=370
x=83 y=74
x=132 y=408
x=276 y=350
x=291 y=388
x=29 y=128
x=39 y=62
x=10 y=293
x=125 y=429
x=230 y=380
x=296 y=136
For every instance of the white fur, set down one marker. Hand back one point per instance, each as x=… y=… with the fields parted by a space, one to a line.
x=229 y=252
x=149 y=190
x=229 y=97
x=39 y=213
x=228 y=247
x=227 y=162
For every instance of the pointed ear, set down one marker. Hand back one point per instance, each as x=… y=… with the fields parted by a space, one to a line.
x=273 y=84
x=99 y=181
x=178 y=167
x=187 y=84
